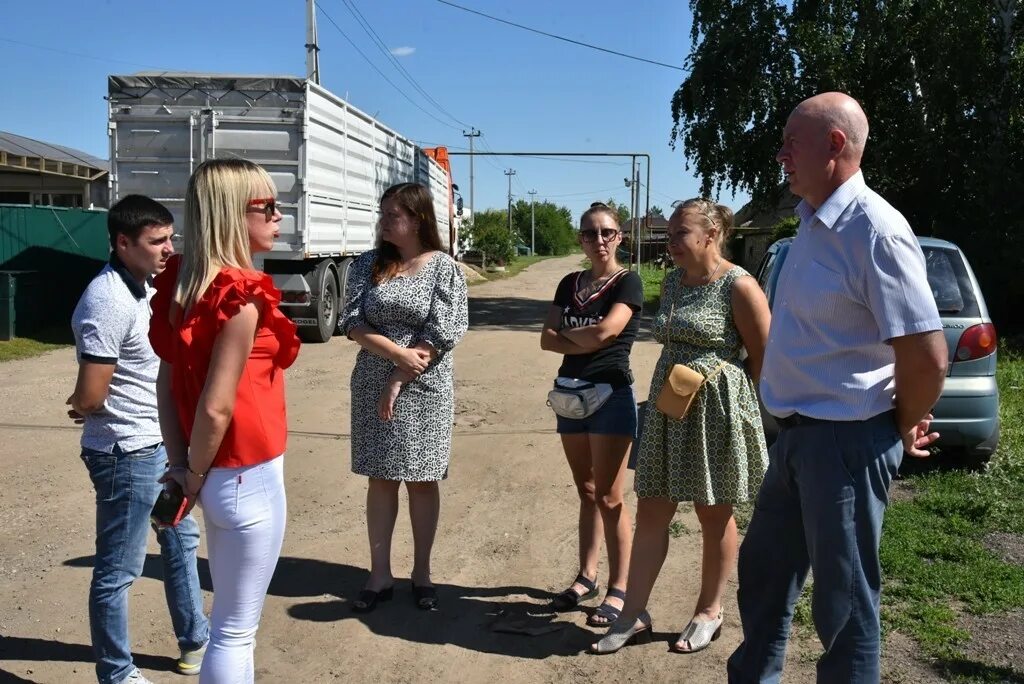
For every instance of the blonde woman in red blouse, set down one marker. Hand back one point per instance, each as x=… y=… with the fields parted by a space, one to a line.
x=224 y=345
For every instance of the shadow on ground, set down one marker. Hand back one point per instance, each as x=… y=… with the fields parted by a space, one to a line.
x=466 y=616
x=50 y=650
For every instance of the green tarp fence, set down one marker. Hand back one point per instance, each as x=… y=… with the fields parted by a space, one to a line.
x=47 y=257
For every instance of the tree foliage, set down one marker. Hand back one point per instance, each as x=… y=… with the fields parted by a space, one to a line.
x=621 y=209
x=554 y=229
x=489 y=233
x=942 y=82
x=785 y=228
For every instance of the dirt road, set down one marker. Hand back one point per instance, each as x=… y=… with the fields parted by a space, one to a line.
x=507 y=534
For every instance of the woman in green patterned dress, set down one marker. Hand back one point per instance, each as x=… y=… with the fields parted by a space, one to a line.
x=715 y=457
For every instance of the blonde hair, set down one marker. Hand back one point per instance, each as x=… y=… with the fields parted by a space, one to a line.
x=715 y=216
x=216 y=233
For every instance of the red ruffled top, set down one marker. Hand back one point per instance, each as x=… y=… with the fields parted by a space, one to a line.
x=259 y=429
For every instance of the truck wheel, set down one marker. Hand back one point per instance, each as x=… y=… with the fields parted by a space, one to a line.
x=342 y=268
x=326 y=306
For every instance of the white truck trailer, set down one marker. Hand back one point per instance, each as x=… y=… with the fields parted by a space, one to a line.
x=329 y=161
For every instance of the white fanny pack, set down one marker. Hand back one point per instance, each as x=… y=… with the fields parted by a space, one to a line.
x=572 y=398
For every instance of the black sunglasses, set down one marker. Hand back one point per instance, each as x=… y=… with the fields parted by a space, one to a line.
x=590 y=235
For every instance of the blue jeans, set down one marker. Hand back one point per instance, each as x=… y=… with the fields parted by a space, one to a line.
x=820 y=508
x=126 y=489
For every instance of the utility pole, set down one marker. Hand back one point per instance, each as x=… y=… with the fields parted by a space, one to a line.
x=637 y=239
x=510 y=173
x=631 y=183
x=473 y=133
x=312 y=49
x=533 y=226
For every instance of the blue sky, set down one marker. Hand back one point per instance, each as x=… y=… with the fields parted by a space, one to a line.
x=525 y=92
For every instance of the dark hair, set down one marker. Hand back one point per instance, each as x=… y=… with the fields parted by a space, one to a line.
x=133 y=213
x=416 y=200
x=599 y=208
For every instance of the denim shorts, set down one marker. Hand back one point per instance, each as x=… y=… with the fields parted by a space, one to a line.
x=617 y=416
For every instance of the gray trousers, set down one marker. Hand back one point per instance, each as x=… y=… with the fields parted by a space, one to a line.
x=820 y=509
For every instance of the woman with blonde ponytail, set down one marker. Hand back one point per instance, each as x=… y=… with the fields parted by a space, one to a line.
x=223 y=345
x=714 y=455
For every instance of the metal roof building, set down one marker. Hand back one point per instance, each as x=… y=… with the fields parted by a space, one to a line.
x=40 y=173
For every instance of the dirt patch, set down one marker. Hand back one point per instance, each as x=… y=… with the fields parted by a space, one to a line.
x=1008 y=546
x=901 y=490
x=996 y=640
x=472 y=275
x=901 y=662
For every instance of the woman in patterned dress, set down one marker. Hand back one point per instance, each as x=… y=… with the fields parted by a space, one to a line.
x=716 y=456
x=593 y=321
x=406 y=307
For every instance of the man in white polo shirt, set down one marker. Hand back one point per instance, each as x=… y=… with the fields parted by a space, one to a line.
x=855 y=360
x=115 y=398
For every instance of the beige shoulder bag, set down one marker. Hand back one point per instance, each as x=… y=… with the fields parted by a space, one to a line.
x=682 y=383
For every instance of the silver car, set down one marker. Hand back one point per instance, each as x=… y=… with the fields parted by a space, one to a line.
x=967 y=413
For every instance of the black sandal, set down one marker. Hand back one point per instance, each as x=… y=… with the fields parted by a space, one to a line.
x=569 y=599
x=425 y=598
x=368 y=599
x=607 y=611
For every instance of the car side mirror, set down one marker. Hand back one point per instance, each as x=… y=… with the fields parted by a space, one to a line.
x=458 y=206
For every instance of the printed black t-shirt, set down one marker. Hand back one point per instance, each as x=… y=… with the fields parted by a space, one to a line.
x=610 y=364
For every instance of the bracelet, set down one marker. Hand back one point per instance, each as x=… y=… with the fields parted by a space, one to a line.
x=188 y=467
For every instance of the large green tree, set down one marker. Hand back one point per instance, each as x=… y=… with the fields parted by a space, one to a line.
x=489 y=233
x=554 y=230
x=942 y=82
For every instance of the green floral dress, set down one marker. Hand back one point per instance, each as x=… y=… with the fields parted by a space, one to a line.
x=717 y=454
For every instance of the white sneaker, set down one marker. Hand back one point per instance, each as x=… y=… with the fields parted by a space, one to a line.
x=136 y=677
x=191 y=662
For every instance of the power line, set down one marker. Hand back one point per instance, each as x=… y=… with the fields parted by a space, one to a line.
x=668 y=197
x=80 y=54
x=573 y=161
x=618 y=188
x=567 y=40
x=487 y=148
x=382 y=46
x=375 y=68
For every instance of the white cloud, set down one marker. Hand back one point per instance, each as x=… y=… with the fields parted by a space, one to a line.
x=403 y=51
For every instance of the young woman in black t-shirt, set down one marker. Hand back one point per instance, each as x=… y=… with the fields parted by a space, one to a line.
x=593 y=322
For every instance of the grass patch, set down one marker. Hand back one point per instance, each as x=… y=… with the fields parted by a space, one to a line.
x=677 y=528
x=25 y=348
x=932 y=553
x=652 y=277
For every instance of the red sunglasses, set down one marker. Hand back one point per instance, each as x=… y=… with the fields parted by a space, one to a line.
x=269 y=206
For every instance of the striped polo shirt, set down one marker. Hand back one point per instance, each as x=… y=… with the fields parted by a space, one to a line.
x=854 y=278
x=111 y=326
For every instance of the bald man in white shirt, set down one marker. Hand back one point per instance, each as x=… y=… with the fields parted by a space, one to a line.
x=855 y=360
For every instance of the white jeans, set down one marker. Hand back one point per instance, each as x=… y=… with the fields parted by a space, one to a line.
x=245 y=512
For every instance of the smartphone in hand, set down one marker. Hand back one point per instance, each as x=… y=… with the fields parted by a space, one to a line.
x=170 y=506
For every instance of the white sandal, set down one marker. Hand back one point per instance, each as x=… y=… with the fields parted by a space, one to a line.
x=698 y=635
x=618 y=635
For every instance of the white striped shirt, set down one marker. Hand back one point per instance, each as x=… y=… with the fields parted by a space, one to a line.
x=854 y=278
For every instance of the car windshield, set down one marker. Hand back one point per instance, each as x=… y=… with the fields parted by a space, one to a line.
x=950 y=284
